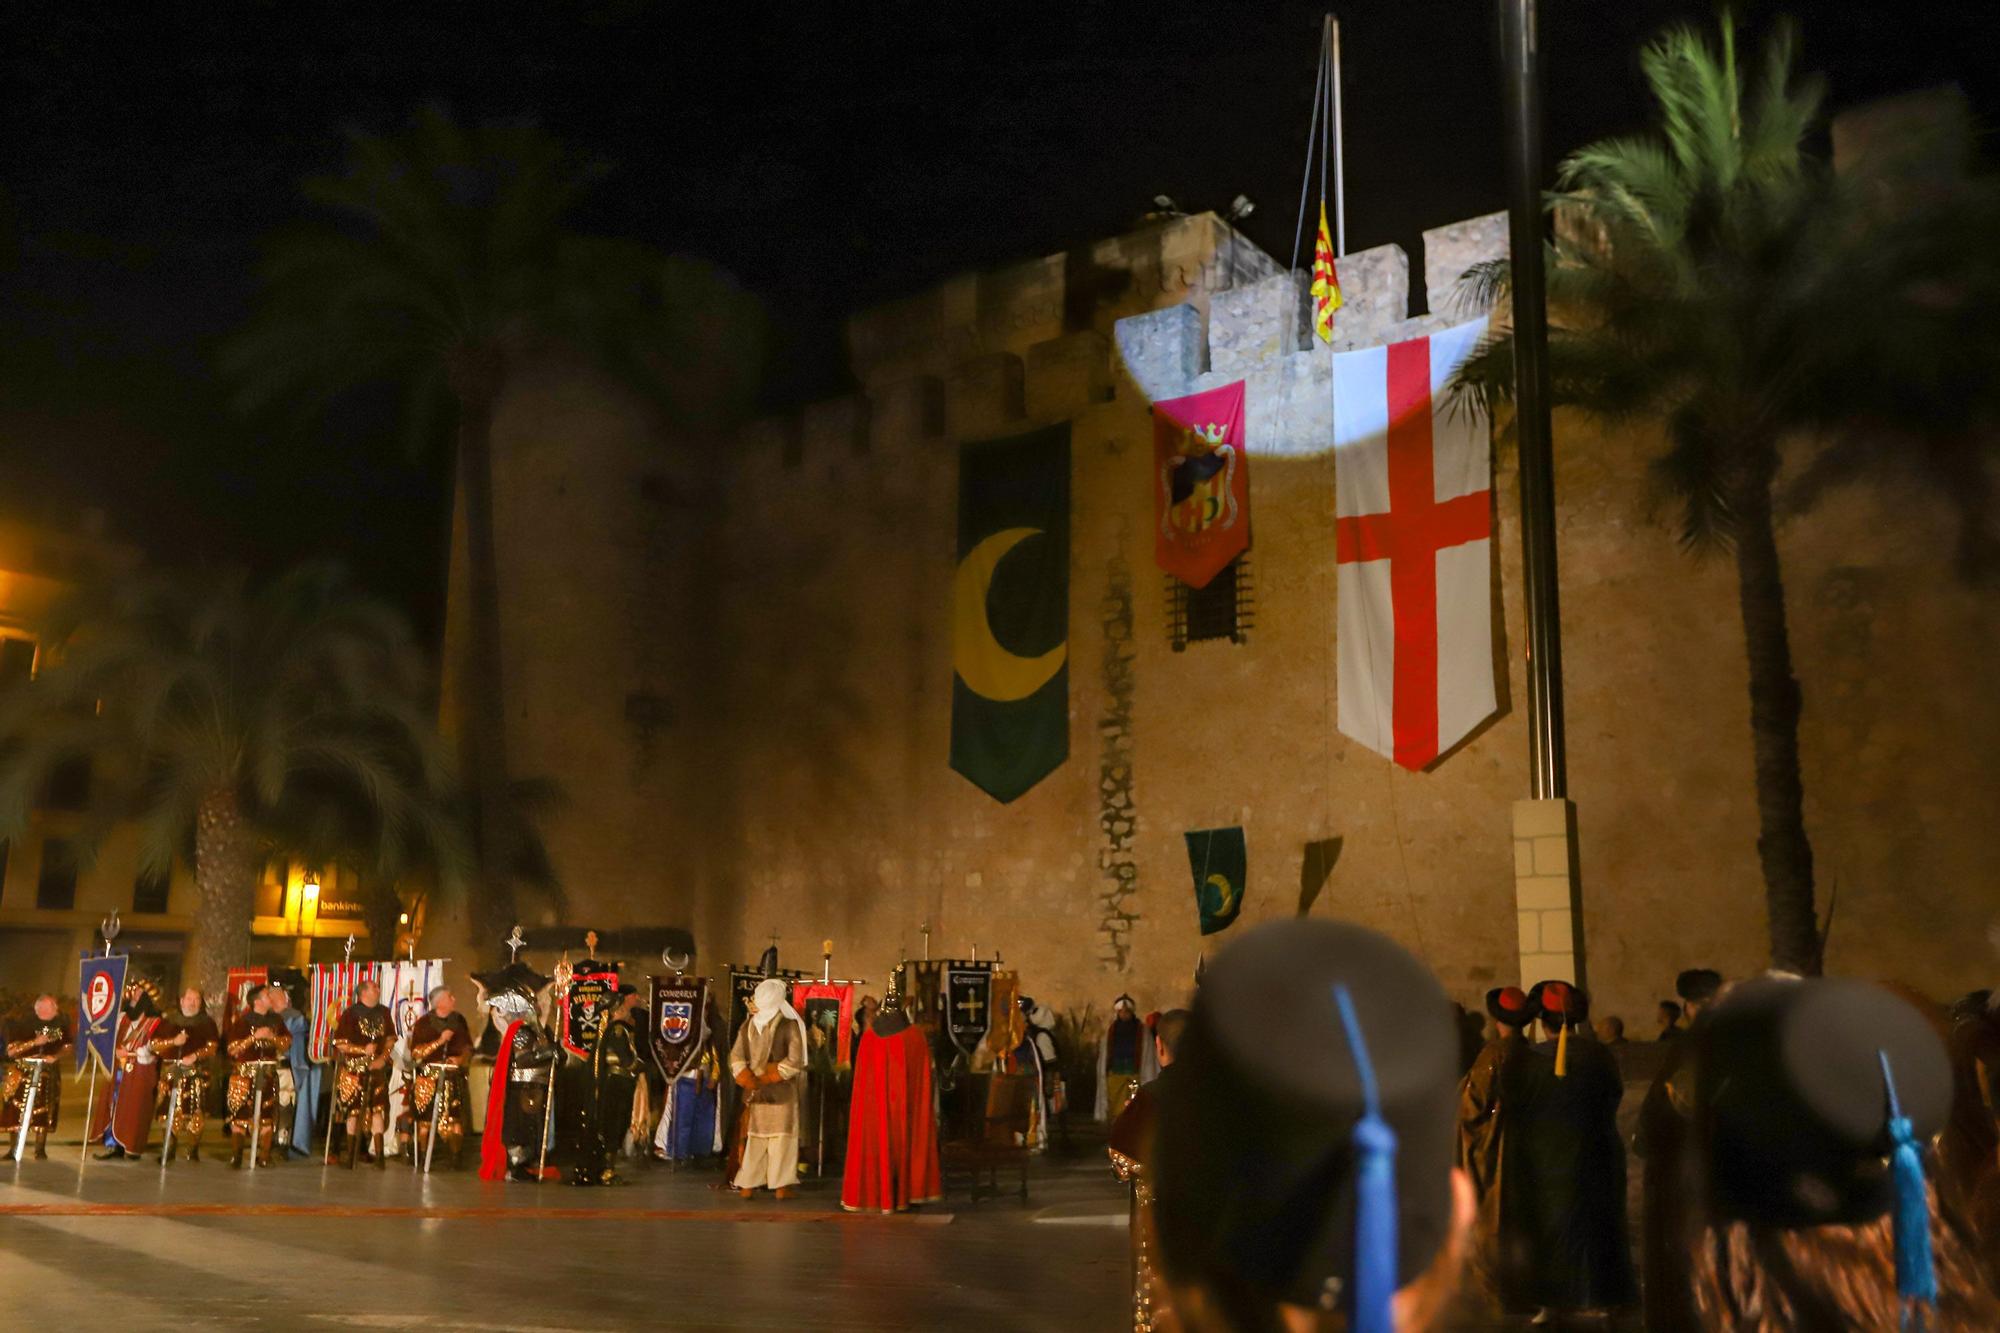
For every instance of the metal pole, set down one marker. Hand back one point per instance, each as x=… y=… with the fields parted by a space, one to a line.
x=89 y=1108
x=28 y=1113
x=1339 y=173
x=437 y=1102
x=256 y=1115
x=173 y=1113
x=1520 y=60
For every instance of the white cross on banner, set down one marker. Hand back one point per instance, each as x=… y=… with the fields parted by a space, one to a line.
x=1413 y=496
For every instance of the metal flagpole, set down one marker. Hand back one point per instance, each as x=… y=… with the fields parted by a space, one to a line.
x=1339 y=174
x=1526 y=237
x=549 y=1102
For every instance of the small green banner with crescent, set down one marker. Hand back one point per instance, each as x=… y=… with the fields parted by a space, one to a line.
x=1221 y=864
x=1010 y=612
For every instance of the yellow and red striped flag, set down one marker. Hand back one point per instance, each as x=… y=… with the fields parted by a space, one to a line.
x=1326 y=281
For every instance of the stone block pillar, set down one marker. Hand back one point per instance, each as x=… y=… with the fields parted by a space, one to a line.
x=1547 y=897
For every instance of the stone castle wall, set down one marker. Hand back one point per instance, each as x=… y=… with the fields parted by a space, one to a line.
x=734 y=656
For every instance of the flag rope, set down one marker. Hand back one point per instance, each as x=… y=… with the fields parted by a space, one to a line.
x=1312 y=135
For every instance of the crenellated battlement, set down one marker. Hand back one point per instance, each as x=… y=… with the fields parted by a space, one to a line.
x=1170 y=308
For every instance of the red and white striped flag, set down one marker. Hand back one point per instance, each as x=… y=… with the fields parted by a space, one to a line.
x=333 y=986
x=1413 y=483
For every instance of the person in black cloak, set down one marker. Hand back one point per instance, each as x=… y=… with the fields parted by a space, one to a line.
x=1302 y=1148
x=1562 y=1245
x=1658 y=1140
x=511 y=1145
x=1813 y=1205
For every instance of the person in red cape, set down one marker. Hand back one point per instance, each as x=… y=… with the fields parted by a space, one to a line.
x=123 y=1121
x=892 y=1142
x=516 y=1107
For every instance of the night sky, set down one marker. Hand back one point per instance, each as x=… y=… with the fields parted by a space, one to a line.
x=829 y=155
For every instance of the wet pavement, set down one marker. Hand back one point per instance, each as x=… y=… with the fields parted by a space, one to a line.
x=304 y=1246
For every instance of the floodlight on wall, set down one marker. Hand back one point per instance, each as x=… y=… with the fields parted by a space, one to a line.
x=1240 y=207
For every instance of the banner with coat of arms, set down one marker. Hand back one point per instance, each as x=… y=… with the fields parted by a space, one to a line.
x=678 y=1023
x=1201 y=484
x=587 y=1002
x=828 y=1010
x=968 y=1004
x=921 y=984
x=100 y=990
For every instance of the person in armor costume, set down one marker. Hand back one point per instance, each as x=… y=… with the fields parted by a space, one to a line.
x=35 y=1044
x=361 y=1043
x=256 y=1042
x=524 y=1057
x=440 y=1050
x=183 y=1043
x=594 y=1105
x=123 y=1120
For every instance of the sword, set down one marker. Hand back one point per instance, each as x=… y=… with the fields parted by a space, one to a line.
x=28 y=1112
x=548 y=1118
x=437 y=1112
x=173 y=1109
x=256 y=1117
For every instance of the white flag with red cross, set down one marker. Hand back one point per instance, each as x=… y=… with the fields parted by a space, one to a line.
x=1413 y=496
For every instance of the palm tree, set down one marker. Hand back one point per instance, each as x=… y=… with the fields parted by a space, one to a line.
x=446 y=265
x=1716 y=278
x=234 y=724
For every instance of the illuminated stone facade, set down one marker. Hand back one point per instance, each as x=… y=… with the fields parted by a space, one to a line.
x=734 y=656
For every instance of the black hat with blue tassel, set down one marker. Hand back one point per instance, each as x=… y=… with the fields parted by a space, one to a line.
x=1305 y=1131
x=1816 y=1100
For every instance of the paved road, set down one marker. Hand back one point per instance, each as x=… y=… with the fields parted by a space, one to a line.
x=301 y=1246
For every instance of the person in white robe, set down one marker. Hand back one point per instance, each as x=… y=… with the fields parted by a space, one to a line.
x=768 y=1061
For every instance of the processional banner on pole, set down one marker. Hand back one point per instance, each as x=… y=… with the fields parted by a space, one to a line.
x=828 y=1010
x=922 y=990
x=968 y=1006
x=236 y=991
x=100 y=988
x=678 y=1022
x=587 y=1003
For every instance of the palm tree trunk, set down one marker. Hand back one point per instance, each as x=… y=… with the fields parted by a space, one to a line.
x=1782 y=845
x=476 y=379
x=225 y=879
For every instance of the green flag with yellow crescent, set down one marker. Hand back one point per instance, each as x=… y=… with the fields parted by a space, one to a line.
x=1221 y=865
x=1010 y=612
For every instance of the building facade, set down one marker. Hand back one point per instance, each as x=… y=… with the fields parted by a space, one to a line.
x=55 y=893
x=735 y=658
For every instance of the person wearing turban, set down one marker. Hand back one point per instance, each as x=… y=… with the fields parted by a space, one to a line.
x=768 y=1061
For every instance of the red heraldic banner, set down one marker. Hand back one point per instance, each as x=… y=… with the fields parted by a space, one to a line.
x=1413 y=496
x=892 y=1146
x=1201 y=484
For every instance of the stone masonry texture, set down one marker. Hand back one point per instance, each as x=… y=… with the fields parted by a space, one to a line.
x=788 y=591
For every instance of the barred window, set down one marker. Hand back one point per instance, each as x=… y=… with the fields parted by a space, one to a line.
x=1222 y=610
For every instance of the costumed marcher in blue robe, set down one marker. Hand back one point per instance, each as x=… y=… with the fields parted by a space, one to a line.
x=305 y=1077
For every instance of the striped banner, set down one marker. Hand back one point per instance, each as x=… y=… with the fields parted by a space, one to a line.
x=405 y=986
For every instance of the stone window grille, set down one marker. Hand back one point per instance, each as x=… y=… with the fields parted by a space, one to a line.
x=1222 y=610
